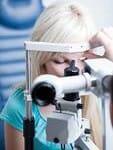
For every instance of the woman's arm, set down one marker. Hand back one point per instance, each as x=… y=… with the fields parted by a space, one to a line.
x=14 y=139
x=105 y=37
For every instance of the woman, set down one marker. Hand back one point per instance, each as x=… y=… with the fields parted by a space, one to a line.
x=61 y=23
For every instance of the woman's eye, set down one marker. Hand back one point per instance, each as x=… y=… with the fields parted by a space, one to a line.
x=58 y=61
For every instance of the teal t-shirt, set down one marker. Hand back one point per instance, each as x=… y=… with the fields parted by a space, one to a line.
x=13 y=114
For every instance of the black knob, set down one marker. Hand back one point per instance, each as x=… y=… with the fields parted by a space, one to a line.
x=87 y=131
x=79 y=106
x=56 y=140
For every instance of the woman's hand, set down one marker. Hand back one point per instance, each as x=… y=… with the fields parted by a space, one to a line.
x=104 y=38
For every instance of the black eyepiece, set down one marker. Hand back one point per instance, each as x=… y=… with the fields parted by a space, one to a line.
x=43 y=93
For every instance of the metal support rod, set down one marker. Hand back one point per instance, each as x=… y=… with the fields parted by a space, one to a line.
x=28 y=122
x=28 y=86
x=104 y=100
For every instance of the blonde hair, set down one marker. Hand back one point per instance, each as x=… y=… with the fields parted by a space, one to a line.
x=62 y=23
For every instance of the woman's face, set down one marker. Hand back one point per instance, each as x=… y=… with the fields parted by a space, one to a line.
x=56 y=65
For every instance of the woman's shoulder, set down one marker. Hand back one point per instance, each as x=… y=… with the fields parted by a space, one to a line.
x=15 y=109
x=17 y=93
x=12 y=113
x=16 y=99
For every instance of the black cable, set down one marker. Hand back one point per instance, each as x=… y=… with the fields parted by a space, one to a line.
x=62 y=146
x=72 y=147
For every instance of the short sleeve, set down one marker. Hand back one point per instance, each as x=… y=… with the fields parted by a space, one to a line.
x=13 y=112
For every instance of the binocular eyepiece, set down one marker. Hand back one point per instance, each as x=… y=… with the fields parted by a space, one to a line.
x=44 y=90
x=43 y=93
